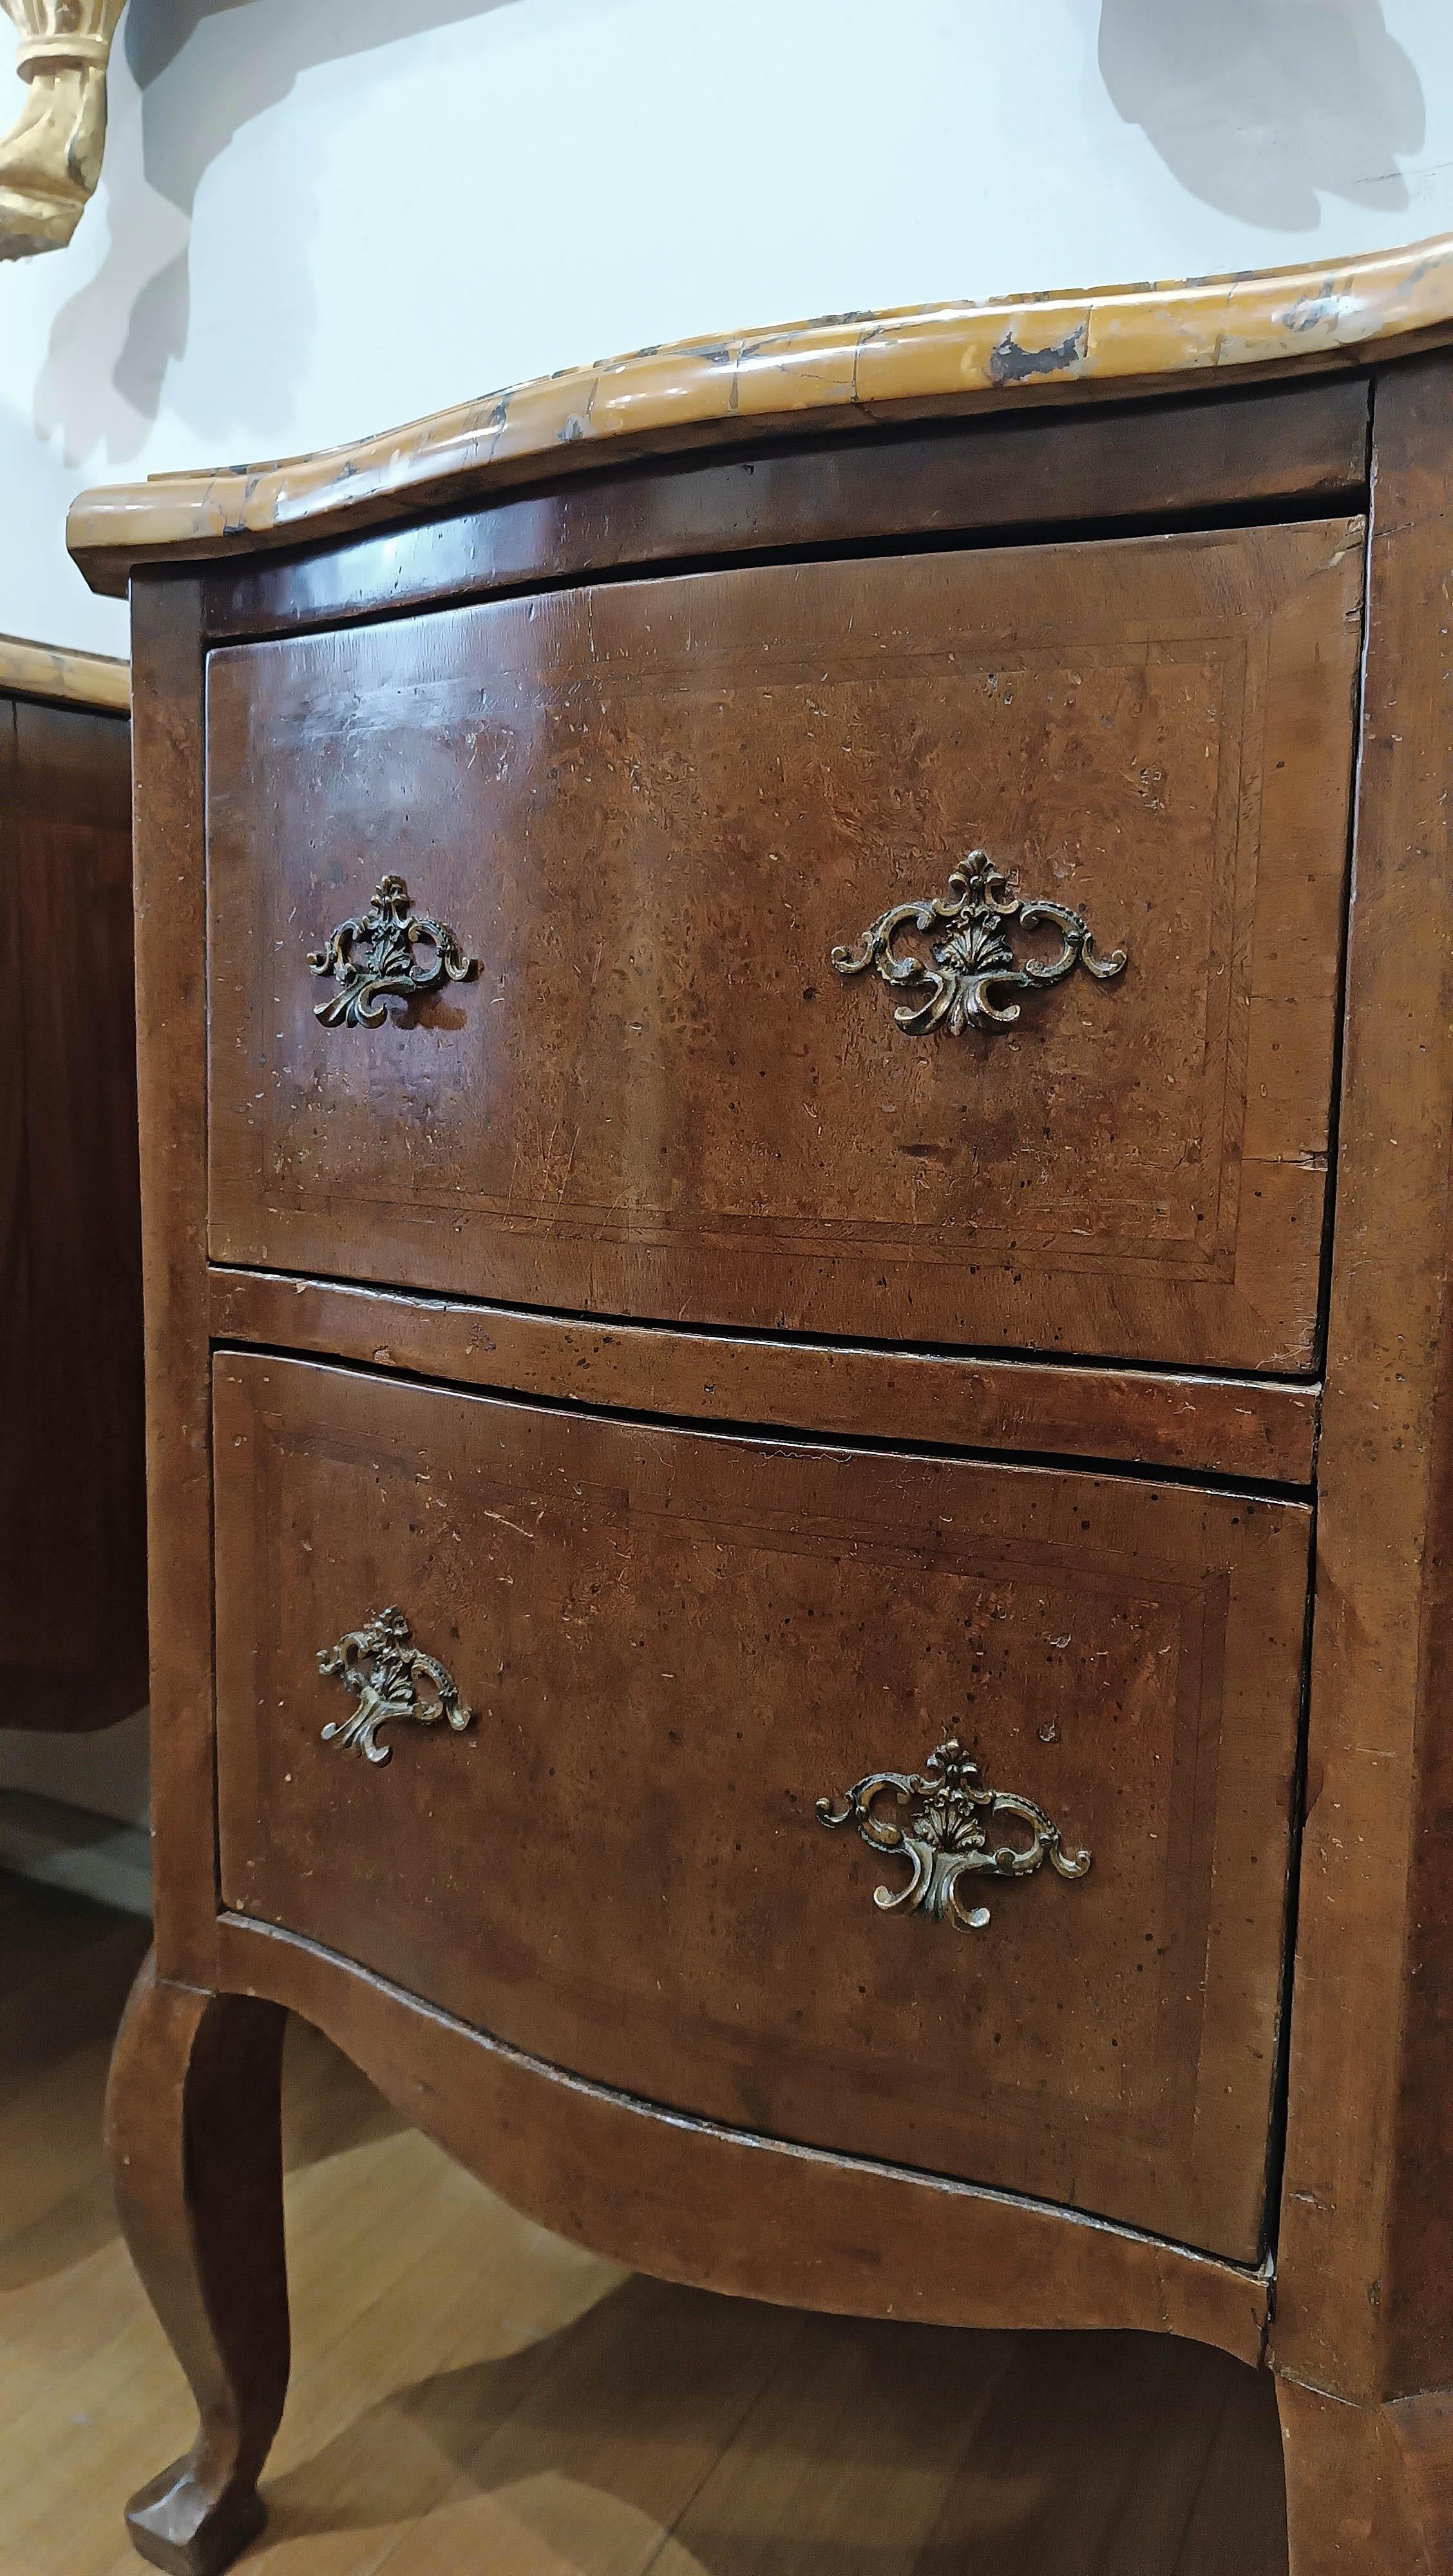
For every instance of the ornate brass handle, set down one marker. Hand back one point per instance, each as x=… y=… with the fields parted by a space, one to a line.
x=944 y=1839
x=975 y=961
x=382 y=1667
x=390 y=961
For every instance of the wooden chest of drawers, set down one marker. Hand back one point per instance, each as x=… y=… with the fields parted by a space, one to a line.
x=798 y=1555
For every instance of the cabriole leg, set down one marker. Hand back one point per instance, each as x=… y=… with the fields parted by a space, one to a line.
x=193 y=2135
x=1369 y=2489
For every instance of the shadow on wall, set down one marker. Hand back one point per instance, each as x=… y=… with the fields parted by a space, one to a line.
x=112 y=344
x=1256 y=106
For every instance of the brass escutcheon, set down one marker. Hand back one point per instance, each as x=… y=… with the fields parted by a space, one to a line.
x=969 y=971
x=944 y=1839
x=390 y=959
x=382 y=1667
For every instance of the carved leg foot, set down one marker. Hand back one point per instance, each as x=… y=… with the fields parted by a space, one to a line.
x=1369 y=2489
x=192 y=2131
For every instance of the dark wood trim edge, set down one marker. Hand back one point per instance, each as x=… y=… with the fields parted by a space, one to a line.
x=1104 y=470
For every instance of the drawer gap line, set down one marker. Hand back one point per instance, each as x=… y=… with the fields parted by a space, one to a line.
x=789 y=1438
x=221 y=630
x=995 y=1355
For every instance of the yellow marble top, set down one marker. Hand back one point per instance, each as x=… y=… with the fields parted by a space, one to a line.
x=49 y=671
x=845 y=369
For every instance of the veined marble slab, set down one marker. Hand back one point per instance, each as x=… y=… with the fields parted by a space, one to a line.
x=844 y=369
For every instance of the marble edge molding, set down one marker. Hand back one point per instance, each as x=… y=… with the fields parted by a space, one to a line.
x=53 y=671
x=843 y=369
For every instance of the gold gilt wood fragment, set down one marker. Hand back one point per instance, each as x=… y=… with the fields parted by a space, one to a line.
x=50 y=160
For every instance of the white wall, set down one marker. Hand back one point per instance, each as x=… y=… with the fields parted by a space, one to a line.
x=105 y=1773
x=311 y=226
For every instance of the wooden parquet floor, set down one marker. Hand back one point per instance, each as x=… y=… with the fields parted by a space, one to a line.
x=471 y=2394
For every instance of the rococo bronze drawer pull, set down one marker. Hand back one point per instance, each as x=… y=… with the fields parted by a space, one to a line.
x=944 y=1838
x=964 y=971
x=389 y=961
x=383 y=1667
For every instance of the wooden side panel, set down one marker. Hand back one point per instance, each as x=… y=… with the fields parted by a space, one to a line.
x=675 y=1643
x=72 y=1513
x=652 y=811
x=172 y=1051
x=1365 y=2306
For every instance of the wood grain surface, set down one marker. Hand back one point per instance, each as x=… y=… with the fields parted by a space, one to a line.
x=651 y=811
x=675 y=1644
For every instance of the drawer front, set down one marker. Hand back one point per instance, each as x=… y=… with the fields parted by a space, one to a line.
x=672 y=1645
x=651 y=812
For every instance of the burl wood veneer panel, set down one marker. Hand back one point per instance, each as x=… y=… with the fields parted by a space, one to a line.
x=652 y=809
x=674 y=1643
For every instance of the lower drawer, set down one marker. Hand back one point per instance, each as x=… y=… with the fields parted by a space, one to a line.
x=667 y=1647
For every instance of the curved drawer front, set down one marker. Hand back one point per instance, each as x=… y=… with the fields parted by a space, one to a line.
x=626 y=1663
x=651 y=811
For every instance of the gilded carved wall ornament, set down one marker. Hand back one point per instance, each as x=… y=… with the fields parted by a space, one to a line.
x=382 y=1667
x=944 y=1837
x=971 y=969
x=396 y=955
x=50 y=160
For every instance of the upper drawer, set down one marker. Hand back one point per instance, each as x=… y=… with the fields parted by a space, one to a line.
x=652 y=811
